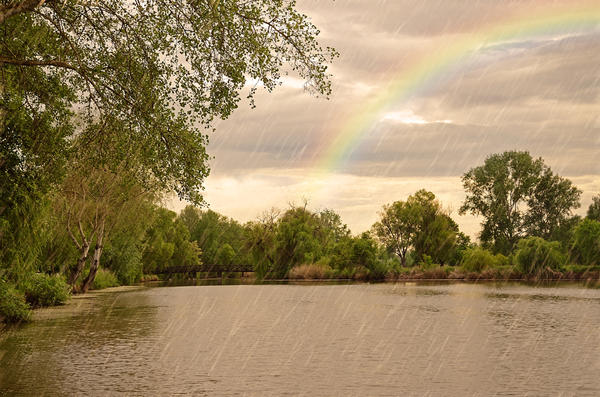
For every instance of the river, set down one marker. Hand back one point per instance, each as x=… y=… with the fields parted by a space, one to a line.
x=409 y=339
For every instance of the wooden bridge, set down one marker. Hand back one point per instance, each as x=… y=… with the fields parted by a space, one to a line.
x=205 y=268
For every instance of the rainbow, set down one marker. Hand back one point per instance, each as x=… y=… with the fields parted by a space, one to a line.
x=576 y=16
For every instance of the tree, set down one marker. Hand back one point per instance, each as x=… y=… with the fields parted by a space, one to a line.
x=536 y=256
x=418 y=223
x=296 y=240
x=225 y=255
x=586 y=242
x=164 y=69
x=94 y=201
x=436 y=232
x=593 y=212
x=397 y=228
x=364 y=251
x=168 y=244
x=517 y=195
x=260 y=241
x=34 y=123
x=211 y=231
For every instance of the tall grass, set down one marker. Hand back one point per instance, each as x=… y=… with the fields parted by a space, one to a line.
x=310 y=272
x=105 y=279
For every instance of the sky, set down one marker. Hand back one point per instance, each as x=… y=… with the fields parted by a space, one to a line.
x=539 y=93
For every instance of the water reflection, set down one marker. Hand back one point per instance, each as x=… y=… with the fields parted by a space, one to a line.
x=327 y=339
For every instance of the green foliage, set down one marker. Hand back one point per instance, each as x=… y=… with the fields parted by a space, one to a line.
x=13 y=307
x=211 y=231
x=397 y=228
x=296 y=241
x=535 y=255
x=43 y=290
x=517 y=195
x=477 y=259
x=586 y=242
x=225 y=255
x=420 y=224
x=168 y=244
x=163 y=104
x=593 y=211
x=124 y=258
x=105 y=279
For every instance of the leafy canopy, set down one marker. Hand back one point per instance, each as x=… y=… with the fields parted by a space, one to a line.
x=517 y=195
x=162 y=70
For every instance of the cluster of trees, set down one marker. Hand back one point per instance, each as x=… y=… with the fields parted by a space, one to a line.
x=528 y=223
x=105 y=107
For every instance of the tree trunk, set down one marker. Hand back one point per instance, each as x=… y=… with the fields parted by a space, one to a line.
x=85 y=249
x=87 y=283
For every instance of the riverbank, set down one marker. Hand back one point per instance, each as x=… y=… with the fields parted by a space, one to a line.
x=77 y=303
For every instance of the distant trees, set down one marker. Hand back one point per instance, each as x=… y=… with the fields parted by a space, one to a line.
x=593 y=212
x=167 y=243
x=212 y=231
x=517 y=196
x=419 y=223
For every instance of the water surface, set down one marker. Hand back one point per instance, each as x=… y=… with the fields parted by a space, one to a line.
x=357 y=339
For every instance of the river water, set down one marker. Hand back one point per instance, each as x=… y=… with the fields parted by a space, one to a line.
x=451 y=339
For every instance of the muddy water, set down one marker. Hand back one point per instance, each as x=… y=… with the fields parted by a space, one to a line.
x=360 y=339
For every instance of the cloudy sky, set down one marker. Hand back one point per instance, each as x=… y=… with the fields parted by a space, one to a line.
x=539 y=93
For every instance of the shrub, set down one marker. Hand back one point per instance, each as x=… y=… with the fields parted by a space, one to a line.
x=378 y=270
x=13 y=307
x=476 y=259
x=310 y=271
x=105 y=279
x=347 y=273
x=536 y=255
x=44 y=290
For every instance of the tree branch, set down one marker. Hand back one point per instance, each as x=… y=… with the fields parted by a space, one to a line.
x=13 y=9
x=34 y=62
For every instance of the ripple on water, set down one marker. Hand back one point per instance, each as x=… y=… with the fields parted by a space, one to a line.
x=351 y=339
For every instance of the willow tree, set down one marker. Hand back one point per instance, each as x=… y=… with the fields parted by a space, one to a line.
x=95 y=201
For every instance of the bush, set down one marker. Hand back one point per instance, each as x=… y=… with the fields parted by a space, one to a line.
x=44 y=290
x=477 y=259
x=378 y=270
x=310 y=271
x=13 y=307
x=105 y=279
x=536 y=256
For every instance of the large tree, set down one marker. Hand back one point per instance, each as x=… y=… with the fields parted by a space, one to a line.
x=517 y=195
x=164 y=68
